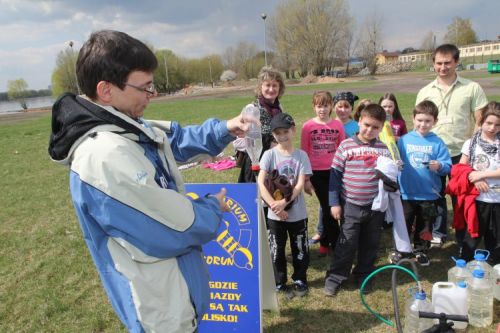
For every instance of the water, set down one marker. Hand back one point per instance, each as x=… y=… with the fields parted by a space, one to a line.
x=459 y=272
x=414 y=324
x=479 y=262
x=253 y=136
x=33 y=103
x=496 y=284
x=480 y=301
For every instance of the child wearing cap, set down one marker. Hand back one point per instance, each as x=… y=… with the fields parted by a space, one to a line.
x=343 y=103
x=295 y=166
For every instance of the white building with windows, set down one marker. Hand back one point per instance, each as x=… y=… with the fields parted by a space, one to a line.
x=479 y=51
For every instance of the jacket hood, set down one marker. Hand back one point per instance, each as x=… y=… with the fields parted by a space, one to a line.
x=72 y=117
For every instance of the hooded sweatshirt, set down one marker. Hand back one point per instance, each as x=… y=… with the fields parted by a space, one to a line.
x=417 y=182
x=143 y=233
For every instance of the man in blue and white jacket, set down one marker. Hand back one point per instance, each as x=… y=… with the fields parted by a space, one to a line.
x=143 y=233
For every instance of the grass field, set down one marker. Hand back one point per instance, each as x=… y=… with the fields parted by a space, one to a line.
x=49 y=284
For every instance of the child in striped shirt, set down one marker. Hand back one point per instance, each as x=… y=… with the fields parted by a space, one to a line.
x=353 y=186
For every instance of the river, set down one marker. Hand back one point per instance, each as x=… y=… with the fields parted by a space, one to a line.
x=33 y=103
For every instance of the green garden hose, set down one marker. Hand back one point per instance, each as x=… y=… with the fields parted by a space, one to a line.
x=377 y=315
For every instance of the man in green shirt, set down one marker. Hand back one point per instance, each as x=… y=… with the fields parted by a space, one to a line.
x=458 y=100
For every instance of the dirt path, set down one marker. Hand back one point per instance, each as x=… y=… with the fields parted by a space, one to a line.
x=409 y=82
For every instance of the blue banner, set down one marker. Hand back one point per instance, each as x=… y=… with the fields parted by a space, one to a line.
x=233 y=262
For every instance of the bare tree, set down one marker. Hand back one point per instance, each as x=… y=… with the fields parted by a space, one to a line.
x=460 y=32
x=244 y=60
x=428 y=42
x=350 y=46
x=371 y=40
x=307 y=35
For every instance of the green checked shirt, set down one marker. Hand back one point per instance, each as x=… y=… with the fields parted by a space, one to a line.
x=456 y=110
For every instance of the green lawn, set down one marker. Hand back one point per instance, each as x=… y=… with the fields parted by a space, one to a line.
x=48 y=281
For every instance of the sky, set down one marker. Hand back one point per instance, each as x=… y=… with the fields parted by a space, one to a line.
x=33 y=32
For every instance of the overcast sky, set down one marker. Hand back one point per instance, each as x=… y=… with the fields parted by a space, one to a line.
x=33 y=32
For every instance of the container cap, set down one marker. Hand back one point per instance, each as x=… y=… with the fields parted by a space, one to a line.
x=479 y=257
x=461 y=263
x=462 y=284
x=420 y=295
x=478 y=273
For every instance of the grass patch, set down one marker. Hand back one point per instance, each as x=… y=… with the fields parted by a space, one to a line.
x=49 y=283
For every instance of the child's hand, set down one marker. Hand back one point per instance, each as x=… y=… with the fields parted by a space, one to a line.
x=434 y=165
x=482 y=186
x=336 y=212
x=308 y=187
x=283 y=215
x=278 y=206
x=475 y=176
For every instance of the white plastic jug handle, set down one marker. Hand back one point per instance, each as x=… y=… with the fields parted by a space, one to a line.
x=444 y=285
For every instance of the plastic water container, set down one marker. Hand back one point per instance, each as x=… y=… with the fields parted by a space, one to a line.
x=496 y=281
x=451 y=299
x=459 y=272
x=479 y=262
x=414 y=324
x=253 y=136
x=480 y=309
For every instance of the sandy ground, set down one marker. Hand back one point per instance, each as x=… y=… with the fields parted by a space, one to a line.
x=408 y=82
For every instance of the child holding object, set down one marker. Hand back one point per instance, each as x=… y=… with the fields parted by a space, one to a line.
x=270 y=87
x=353 y=187
x=320 y=138
x=283 y=222
x=390 y=105
x=425 y=160
x=482 y=153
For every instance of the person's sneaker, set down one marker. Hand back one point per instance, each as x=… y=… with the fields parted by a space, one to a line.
x=314 y=239
x=300 y=288
x=396 y=256
x=436 y=242
x=281 y=288
x=323 y=251
x=422 y=259
x=332 y=291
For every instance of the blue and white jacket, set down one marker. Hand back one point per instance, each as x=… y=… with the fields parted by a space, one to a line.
x=416 y=181
x=143 y=233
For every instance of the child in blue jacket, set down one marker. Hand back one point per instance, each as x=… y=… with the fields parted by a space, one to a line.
x=425 y=159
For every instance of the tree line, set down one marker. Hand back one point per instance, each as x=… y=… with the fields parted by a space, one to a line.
x=4 y=96
x=304 y=37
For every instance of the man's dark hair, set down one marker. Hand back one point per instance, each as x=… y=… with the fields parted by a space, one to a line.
x=111 y=56
x=447 y=49
x=426 y=107
x=374 y=111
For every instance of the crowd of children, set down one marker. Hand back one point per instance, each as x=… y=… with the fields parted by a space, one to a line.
x=337 y=160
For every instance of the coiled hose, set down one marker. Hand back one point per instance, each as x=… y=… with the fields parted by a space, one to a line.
x=395 y=268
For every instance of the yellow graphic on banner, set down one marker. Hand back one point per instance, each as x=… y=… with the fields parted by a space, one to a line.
x=237 y=249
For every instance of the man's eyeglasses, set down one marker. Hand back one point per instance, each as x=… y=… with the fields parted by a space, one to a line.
x=150 y=89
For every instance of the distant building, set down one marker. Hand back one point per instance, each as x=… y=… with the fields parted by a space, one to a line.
x=387 y=58
x=480 y=51
x=419 y=56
